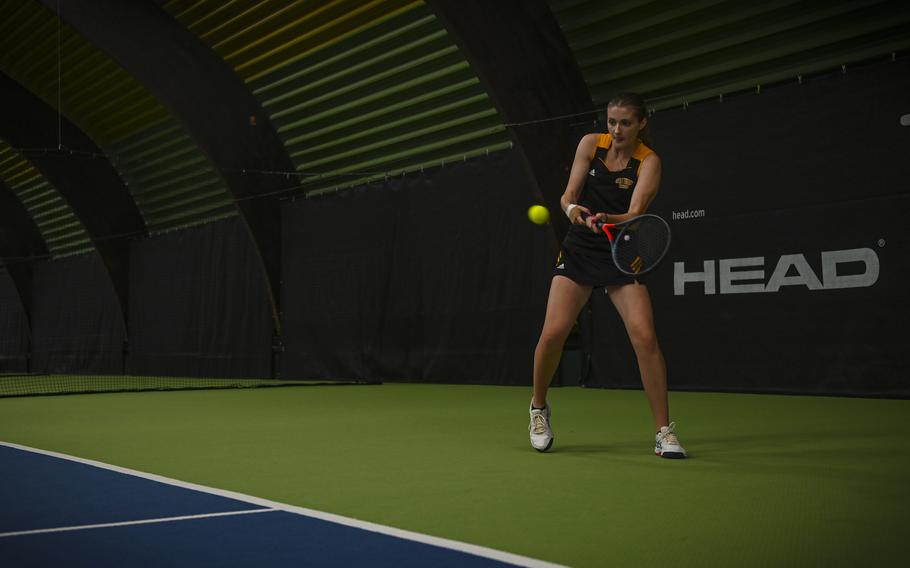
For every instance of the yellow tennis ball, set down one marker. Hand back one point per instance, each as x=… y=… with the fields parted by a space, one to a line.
x=538 y=214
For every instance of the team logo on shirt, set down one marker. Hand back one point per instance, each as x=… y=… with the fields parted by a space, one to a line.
x=624 y=183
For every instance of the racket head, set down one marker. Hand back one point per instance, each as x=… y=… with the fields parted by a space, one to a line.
x=641 y=244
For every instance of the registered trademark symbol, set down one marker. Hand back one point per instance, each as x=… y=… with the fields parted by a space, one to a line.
x=881 y=243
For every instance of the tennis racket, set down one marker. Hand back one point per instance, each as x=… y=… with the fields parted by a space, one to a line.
x=639 y=244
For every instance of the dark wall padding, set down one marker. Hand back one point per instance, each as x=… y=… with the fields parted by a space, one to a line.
x=431 y=278
x=20 y=239
x=77 y=326
x=200 y=304
x=13 y=327
x=805 y=195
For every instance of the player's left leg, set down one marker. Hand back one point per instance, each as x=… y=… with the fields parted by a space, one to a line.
x=634 y=306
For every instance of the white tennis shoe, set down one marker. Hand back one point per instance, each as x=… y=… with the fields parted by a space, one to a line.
x=541 y=434
x=666 y=444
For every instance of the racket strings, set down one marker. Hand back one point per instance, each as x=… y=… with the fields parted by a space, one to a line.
x=641 y=245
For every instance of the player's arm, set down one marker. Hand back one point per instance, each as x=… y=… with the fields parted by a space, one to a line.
x=583 y=155
x=645 y=190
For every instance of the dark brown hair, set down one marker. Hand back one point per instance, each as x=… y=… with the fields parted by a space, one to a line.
x=635 y=102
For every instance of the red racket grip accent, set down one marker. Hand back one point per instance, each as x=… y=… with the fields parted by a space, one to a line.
x=605 y=227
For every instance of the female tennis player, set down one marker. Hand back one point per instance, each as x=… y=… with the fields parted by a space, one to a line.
x=614 y=177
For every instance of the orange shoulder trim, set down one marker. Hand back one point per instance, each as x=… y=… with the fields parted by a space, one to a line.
x=640 y=154
x=603 y=142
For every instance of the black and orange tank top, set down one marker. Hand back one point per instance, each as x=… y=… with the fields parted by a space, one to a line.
x=606 y=191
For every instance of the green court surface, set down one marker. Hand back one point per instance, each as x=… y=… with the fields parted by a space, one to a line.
x=772 y=480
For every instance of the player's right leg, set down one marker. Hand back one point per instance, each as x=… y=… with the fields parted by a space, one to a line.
x=566 y=300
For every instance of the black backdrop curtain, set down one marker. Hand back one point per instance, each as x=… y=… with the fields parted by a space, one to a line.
x=437 y=277
x=77 y=326
x=13 y=327
x=788 y=268
x=199 y=304
x=787 y=272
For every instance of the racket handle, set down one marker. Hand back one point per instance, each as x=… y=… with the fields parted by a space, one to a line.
x=601 y=226
x=584 y=217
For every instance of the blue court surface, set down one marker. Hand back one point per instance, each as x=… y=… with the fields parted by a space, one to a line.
x=58 y=510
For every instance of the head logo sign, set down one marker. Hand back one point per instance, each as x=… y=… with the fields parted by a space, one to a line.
x=720 y=275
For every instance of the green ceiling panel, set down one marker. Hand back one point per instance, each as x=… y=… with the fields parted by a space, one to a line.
x=358 y=90
x=63 y=234
x=155 y=156
x=678 y=52
x=259 y=36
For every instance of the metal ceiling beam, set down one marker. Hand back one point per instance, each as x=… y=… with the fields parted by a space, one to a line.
x=202 y=91
x=82 y=175
x=518 y=52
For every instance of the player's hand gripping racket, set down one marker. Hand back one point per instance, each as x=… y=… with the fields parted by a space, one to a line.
x=639 y=244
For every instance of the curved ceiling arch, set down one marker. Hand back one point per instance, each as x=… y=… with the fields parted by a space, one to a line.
x=59 y=229
x=211 y=102
x=532 y=79
x=358 y=90
x=172 y=182
x=78 y=201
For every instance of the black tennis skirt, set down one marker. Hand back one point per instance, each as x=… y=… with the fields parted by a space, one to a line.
x=591 y=269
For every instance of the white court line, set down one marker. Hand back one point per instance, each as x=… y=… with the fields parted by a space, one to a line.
x=142 y=522
x=474 y=549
